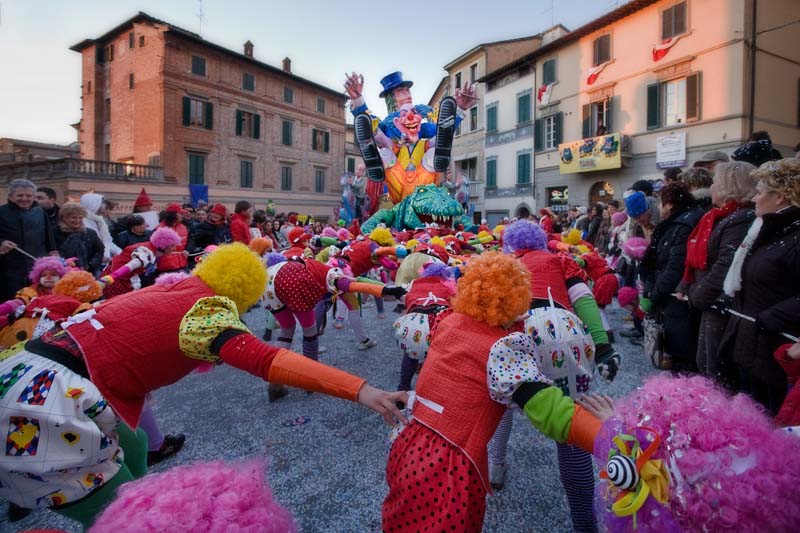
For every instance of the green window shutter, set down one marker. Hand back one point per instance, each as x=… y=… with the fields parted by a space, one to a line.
x=327 y=142
x=653 y=106
x=238 y=122
x=201 y=166
x=559 y=128
x=313 y=139
x=256 y=126
x=586 y=125
x=209 y=115
x=523 y=168
x=287 y=133
x=538 y=135
x=491 y=119
x=693 y=97
x=187 y=110
x=609 y=115
x=491 y=173
x=524 y=109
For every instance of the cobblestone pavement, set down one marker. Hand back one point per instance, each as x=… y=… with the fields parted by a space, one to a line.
x=329 y=472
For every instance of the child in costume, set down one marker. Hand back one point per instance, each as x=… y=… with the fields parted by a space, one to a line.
x=476 y=366
x=75 y=383
x=44 y=275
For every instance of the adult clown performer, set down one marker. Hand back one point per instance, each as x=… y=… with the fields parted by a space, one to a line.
x=63 y=395
x=407 y=149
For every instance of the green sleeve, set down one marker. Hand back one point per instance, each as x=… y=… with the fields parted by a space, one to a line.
x=549 y=411
x=587 y=310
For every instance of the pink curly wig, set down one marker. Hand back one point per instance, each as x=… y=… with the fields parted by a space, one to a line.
x=328 y=231
x=343 y=234
x=171 y=278
x=203 y=497
x=730 y=467
x=56 y=264
x=627 y=296
x=618 y=218
x=635 y=247
x=162 y=238
x=524 y=235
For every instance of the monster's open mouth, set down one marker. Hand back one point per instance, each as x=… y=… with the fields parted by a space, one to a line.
x=441 y=220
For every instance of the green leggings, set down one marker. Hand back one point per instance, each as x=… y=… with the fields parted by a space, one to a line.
x=134 y=444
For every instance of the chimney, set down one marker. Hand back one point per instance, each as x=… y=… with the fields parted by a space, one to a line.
x=287 y=65
x=248 y=49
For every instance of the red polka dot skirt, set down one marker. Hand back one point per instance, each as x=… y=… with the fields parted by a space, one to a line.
x=433 y=486
x=296 y=288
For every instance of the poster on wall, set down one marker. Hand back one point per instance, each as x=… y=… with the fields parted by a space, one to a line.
x=671 y=150
x=557 y=198
x=595 y=153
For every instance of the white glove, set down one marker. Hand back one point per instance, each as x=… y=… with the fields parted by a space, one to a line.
x=512 y=361
x=144 y=255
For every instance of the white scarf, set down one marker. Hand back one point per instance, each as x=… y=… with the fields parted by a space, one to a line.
x=733 y=279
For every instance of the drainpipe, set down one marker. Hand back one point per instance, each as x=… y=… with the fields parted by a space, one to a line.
x=534 y=207
x=753 y=29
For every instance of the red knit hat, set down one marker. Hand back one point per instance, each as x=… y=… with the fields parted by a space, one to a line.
x=142 y=200
x=220 y=210
x=174 y=208
x=298 y=235
x=292 y=219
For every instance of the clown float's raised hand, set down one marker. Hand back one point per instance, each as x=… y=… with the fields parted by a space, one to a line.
x=467 y=96
x=354 y=85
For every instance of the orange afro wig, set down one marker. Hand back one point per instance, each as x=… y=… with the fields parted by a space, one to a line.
x=495 y=288
x=79 y=284
x=260 y=245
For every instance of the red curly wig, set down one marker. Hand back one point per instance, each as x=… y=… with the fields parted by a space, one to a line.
x=79 y=284
x=495 y=288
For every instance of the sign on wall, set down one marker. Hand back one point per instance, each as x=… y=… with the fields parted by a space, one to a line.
x=557 y=198
x=595 y=153
x=671 y=150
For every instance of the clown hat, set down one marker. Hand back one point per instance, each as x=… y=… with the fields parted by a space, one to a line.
x=142 y=200
x=392 y=81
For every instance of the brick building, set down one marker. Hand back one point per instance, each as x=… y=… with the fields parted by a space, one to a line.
x=158 y=95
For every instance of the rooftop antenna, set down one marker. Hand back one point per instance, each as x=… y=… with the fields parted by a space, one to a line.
x=200 y=16
x=552 y=11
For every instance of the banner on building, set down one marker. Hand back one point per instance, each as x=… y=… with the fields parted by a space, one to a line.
x=198 y=192
x=557 y=198
x=671 y=150
x=595 y=153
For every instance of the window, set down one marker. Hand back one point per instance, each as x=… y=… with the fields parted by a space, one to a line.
x=248 y=124
x=288 y=95
x=351 y=165
x=458 y=80
x=286 y=178
x=245 y=174
x=673 y=21
x=473 y=119
x=197 y=169
x=320 y=105
x=319 y=180
x=107 y=110
x=109 y=53
x=491 y=173
x=131 y=40
x=154 y=160
x=674 y=101
x=547 y=132
x=197 y=112
x=596 y=118
x=549 y=71
x=130 y=80
x=248 y=82
x=491 y=118
x=198 y=66
x=106 y=152
x=320 y=140
x=469 y=167
x=89 y=87
x=141 y=41
x=286 y=132
x=523 y=168
x=524 y=108
x=473 y=73
x=601 y=50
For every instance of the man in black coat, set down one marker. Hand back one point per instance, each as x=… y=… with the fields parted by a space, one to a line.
x=25 y=226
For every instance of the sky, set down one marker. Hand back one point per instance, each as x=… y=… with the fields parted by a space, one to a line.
x=40 y=77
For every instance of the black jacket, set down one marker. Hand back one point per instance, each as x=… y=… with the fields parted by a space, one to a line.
x=770 y=293
x=205 y=234
x=30 y=229
x=85 y=246
x=126 y=238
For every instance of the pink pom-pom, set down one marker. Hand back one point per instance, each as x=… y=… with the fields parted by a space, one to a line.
x=203 y=497
x=635 y=247
x=171 y=278
x=163 y=237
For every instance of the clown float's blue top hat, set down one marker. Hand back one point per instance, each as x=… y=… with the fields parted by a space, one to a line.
x=392 y=81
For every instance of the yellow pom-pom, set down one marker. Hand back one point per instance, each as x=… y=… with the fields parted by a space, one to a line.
x=572 y=237
x=583 y=249
x=232 y=270
x=382 y=236
x=439 y=241
x=411 y=244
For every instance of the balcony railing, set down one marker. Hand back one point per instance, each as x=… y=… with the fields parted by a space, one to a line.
x=476 y=189
x=80 y=168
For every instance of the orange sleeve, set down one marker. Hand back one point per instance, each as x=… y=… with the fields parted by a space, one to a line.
x=295 y=370
x=584 y=429
x=372 y=289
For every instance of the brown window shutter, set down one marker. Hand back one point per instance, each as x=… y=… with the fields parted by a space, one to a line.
x=693 y=97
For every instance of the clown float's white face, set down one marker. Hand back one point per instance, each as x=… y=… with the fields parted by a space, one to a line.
x=408 y=123
x=49 y=278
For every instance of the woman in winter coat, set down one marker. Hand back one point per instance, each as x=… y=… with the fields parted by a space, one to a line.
x=93 y=202
x=74 y=239
x=709 y=254
x=603 y=232
x=764 y=285
x=662 y=270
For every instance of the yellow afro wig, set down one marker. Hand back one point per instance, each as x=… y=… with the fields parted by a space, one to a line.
x=411 y=244
x=495 y=289
x=79 y=284
x=261 y=245
x=234 y=271
x=382 y=236
x=439 y=241
x=571 y=237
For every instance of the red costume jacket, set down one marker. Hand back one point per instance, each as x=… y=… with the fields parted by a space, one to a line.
x=240 y=229
x=556 y=271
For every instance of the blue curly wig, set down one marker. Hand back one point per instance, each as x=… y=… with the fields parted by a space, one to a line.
x=524 y=235
x=273 y=258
